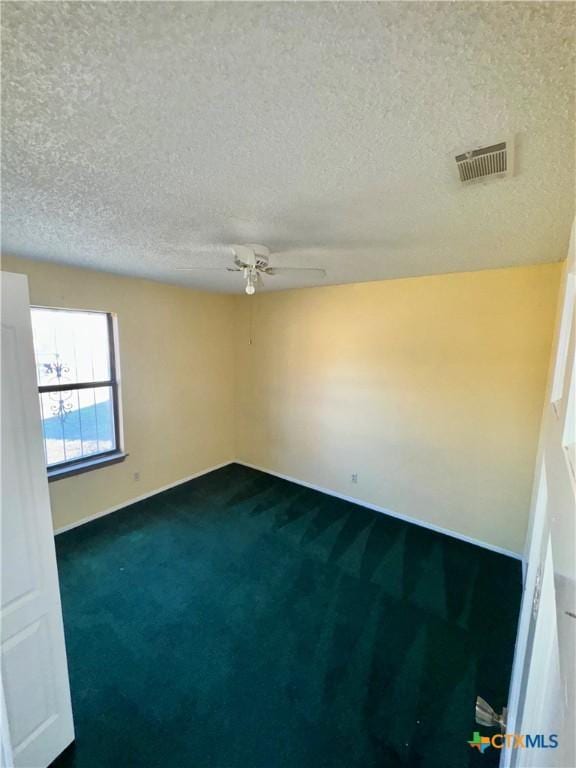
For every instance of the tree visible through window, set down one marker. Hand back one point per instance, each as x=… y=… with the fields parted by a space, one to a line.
x=75 y=366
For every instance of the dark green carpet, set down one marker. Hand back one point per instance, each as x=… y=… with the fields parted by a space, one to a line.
x=241 y=621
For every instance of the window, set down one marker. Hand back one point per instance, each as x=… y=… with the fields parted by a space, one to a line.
x=78 y=388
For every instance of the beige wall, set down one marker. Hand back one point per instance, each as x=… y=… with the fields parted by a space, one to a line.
x=177 y=378
x=431 y=389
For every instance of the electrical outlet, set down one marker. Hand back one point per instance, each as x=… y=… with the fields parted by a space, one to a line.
x=136 y=476
x=354 y=478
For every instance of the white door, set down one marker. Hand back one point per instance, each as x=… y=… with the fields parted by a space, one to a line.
x=543 y=679
x=35 y=685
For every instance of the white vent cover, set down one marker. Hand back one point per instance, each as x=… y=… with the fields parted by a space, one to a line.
x=485 y=163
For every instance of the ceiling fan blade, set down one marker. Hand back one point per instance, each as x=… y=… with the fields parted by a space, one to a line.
x=281 y=270
x=244 y=254
x=200 y=249
x=207 y=269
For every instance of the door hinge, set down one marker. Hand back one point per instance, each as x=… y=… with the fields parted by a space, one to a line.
x=537 y=593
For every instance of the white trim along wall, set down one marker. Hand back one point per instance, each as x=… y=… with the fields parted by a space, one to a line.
x=312 y=486
x=118 y=507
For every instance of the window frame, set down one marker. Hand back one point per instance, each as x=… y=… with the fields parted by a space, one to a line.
x=103 y=458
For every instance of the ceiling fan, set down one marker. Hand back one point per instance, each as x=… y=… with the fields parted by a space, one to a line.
x=254 y=261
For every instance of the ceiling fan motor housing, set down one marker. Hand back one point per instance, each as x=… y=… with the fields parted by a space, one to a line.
x=261 y=261
x=254 y=256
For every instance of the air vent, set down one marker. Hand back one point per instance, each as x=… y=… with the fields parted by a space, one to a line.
x=484 y=163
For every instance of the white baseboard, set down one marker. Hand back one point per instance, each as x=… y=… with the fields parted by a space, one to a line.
x=312 y=486
x=384 y=511
x=127 y=503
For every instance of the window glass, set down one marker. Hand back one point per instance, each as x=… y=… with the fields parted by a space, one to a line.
x=76 y=383
x=70 y=346
x=77 y=423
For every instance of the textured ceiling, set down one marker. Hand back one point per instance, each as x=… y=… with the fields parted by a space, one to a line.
x=135 y=133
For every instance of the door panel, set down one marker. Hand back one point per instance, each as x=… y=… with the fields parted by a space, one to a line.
x=543 y=678
x=542 y=698
x=34 y=670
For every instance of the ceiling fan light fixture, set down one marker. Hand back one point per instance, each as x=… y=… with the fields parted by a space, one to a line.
x=251 y=278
